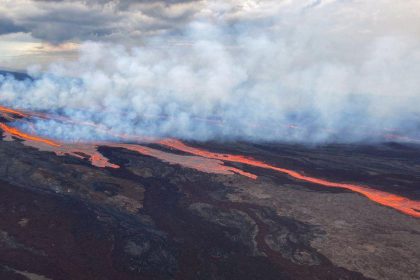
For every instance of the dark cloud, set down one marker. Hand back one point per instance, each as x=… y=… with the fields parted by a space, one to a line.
x=62 y=24
x=123 y=3
x=7 y=26
x=60 y=21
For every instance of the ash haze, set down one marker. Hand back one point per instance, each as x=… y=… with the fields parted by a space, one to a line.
x=300 y=71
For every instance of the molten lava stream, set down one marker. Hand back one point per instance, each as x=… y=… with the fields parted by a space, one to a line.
x=11 y=111
x=402 y=204
x=15 y=132
x=195 y=162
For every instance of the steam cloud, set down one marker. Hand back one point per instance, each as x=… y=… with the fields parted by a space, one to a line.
x=337 y=71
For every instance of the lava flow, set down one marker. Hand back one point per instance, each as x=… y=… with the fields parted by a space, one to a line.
x=203 y=164
x=402 y=204
x=201 y=160
x=7 y=111
x=15 y=132
x=90 y=150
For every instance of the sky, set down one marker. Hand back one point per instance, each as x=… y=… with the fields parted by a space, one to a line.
x=41 y=31
x=200 y=69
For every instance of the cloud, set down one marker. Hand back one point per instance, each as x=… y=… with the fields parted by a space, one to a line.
x=60 y=21
x=8 y=26
x=292 y=71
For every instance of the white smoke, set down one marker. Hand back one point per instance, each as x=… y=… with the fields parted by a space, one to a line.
x=331 y=71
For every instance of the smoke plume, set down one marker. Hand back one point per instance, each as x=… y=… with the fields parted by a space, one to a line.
x=331 y=71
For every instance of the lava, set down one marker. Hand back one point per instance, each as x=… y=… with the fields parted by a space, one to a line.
x=89 y=150
x=74 y=149
x=11 y=111
x=15 y=132
x=202 y=160
x=199 y=163
x=402 y=204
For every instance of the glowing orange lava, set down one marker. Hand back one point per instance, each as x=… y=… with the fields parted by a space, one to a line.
x=199 y=163
x=203 y=160
x=15 y=132
x=402 y=204
x=11 y=111
x=89 y=150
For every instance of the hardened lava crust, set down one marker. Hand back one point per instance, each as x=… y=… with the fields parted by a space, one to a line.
x=161 y=213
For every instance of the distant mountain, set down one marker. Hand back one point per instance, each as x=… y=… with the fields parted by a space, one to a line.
x=16 y=75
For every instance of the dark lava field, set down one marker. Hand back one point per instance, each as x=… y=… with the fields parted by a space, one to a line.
x=156 y=217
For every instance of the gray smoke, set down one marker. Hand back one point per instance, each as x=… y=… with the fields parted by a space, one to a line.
x=331 y=71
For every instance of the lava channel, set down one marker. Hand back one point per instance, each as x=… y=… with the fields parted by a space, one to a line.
x=15 y=132
x=402 y=204
x=90 y=151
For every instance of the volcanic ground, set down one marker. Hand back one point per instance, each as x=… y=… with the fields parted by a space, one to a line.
x=169 y=209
